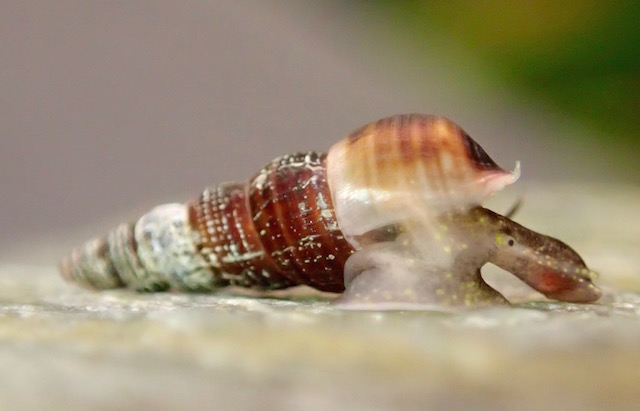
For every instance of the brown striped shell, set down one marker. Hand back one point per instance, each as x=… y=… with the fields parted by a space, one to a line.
x=275 y=231
x=407 y=168
x=286 y=226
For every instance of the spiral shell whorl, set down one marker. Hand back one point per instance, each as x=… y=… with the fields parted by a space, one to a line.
x=91 y=265
x=156 y=253
x=391 y=169
x=293 y=214
x=275 y=231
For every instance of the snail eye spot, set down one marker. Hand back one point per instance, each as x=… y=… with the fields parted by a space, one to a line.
x=511 y=242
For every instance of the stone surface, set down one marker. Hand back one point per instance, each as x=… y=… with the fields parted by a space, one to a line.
x=66 y=348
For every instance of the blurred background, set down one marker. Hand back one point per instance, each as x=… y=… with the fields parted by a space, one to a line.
x=109 y=107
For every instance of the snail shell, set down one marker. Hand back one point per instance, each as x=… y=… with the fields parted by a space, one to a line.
x=321 y=220
x=406 y=168
x=275 y=231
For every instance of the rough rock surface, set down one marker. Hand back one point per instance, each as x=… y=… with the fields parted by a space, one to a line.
x=66 y=348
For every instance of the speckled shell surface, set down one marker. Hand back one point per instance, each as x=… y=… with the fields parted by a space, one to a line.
x=276 y=231
x=408 y=167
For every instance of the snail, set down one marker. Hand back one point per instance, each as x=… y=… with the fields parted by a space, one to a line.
x=390 y=217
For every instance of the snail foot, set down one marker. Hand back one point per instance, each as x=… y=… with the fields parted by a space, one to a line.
x=388 y=276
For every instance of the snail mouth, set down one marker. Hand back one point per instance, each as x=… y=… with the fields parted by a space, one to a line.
x=587 y=294
x=574 y=288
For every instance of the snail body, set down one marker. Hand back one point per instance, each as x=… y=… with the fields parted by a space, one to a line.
x=390 y=216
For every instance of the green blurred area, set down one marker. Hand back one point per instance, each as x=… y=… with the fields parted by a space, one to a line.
x=581 y=58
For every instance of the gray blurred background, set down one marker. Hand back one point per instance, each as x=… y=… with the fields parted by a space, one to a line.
x=108 y=107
